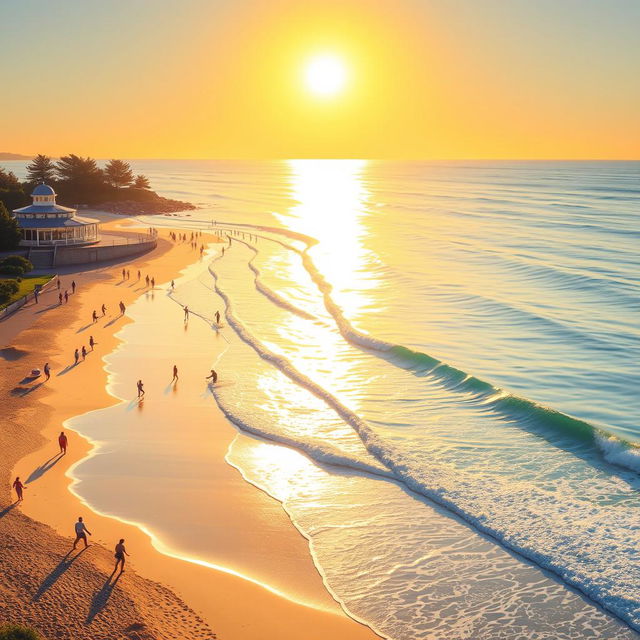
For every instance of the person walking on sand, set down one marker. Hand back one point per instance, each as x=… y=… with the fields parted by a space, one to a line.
x=47 y=371
x=63 y=442
x=104 y=309
x=120 y=553
x=186 y=313
x=59 y=298
x=58 y=284
x=213 y=375
x=124 y=274
x=73 y=286
x=175 y=373
x=84 y=352
x=138 y=274
x=35 y=295
x=76 y=356
x=147 y=280
x=18 y=486
x=140 y=388
x=94 y=316
x=81 y=533
x=92 y=342
x=128 y=274
x=217 y=317
x=66 y=296
x=173 y=285
x=122 y=308
x=153 y=283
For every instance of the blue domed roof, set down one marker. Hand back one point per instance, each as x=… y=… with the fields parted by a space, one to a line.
x=43 y=190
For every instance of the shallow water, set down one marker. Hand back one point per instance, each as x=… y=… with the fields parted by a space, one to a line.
x=461 y=335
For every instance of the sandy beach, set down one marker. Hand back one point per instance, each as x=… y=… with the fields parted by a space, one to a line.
x=69 y=596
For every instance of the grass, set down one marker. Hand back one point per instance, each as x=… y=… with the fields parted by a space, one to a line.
x=27 y=285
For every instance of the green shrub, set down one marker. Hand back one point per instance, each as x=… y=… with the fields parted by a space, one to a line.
x=17 y=261
x=18 y=632
x=7 y=289
x=11 y=270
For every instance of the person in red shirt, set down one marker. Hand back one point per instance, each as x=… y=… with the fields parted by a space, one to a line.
x=18 y=486
x=62 y=441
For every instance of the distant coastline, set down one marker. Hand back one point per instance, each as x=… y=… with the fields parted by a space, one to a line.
x=5 y=155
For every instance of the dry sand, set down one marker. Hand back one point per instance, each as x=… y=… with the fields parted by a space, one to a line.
x=69 y=596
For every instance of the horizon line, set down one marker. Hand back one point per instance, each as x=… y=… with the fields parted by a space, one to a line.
x=372 y=159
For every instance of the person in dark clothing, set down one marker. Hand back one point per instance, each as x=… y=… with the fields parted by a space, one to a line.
x=120 y=553
x=62 y=442
x=81 y=533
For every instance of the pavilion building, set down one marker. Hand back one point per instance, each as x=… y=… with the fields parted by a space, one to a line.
x=47 y=224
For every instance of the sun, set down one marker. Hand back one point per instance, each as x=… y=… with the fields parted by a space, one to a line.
x=325 y=75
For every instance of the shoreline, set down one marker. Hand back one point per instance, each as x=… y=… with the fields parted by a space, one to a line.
x=199 y=585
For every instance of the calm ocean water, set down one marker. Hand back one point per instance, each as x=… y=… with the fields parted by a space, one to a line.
x=435 y=340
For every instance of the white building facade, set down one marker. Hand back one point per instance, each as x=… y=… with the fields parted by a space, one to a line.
x=45 y=223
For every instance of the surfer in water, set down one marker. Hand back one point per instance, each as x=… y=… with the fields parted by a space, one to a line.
x=213 y=376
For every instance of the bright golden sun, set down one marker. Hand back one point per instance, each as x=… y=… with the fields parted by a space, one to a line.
x=325 y=75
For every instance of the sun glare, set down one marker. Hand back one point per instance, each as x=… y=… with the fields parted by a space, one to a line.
x=325 y=75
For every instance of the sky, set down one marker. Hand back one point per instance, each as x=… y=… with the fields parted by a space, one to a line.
x=424 y=79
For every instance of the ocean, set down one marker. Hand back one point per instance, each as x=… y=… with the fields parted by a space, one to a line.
x=434 y=367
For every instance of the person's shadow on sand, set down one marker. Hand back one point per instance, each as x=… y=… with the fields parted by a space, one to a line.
x=6 y=510
x=43 y=468
x=100 y=599
x=23 y=391
x=51 y=306
x=68 y=368
x=51 y=579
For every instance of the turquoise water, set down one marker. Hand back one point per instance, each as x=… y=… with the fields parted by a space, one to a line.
x=458 y=337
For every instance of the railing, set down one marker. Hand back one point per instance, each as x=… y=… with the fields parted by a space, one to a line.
x=137 y=238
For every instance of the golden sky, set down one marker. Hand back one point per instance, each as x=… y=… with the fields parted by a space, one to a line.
x=226 y=79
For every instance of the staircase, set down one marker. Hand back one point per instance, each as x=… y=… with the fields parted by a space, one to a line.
x=42 y=258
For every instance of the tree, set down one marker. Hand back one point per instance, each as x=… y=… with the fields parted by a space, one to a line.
x=10 y=234
x=41 y=169
x=11 y=191
x=79 y=179
x=118 y=173
x=8 y=181
x=73 y=168
x=142 y=182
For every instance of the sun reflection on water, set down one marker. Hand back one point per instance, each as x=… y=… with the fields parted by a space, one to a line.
x=331 y=205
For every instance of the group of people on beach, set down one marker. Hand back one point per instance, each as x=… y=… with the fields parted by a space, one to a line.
x=63 y=296
x=81 y=531
x=81 y=536
x=213 y=376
